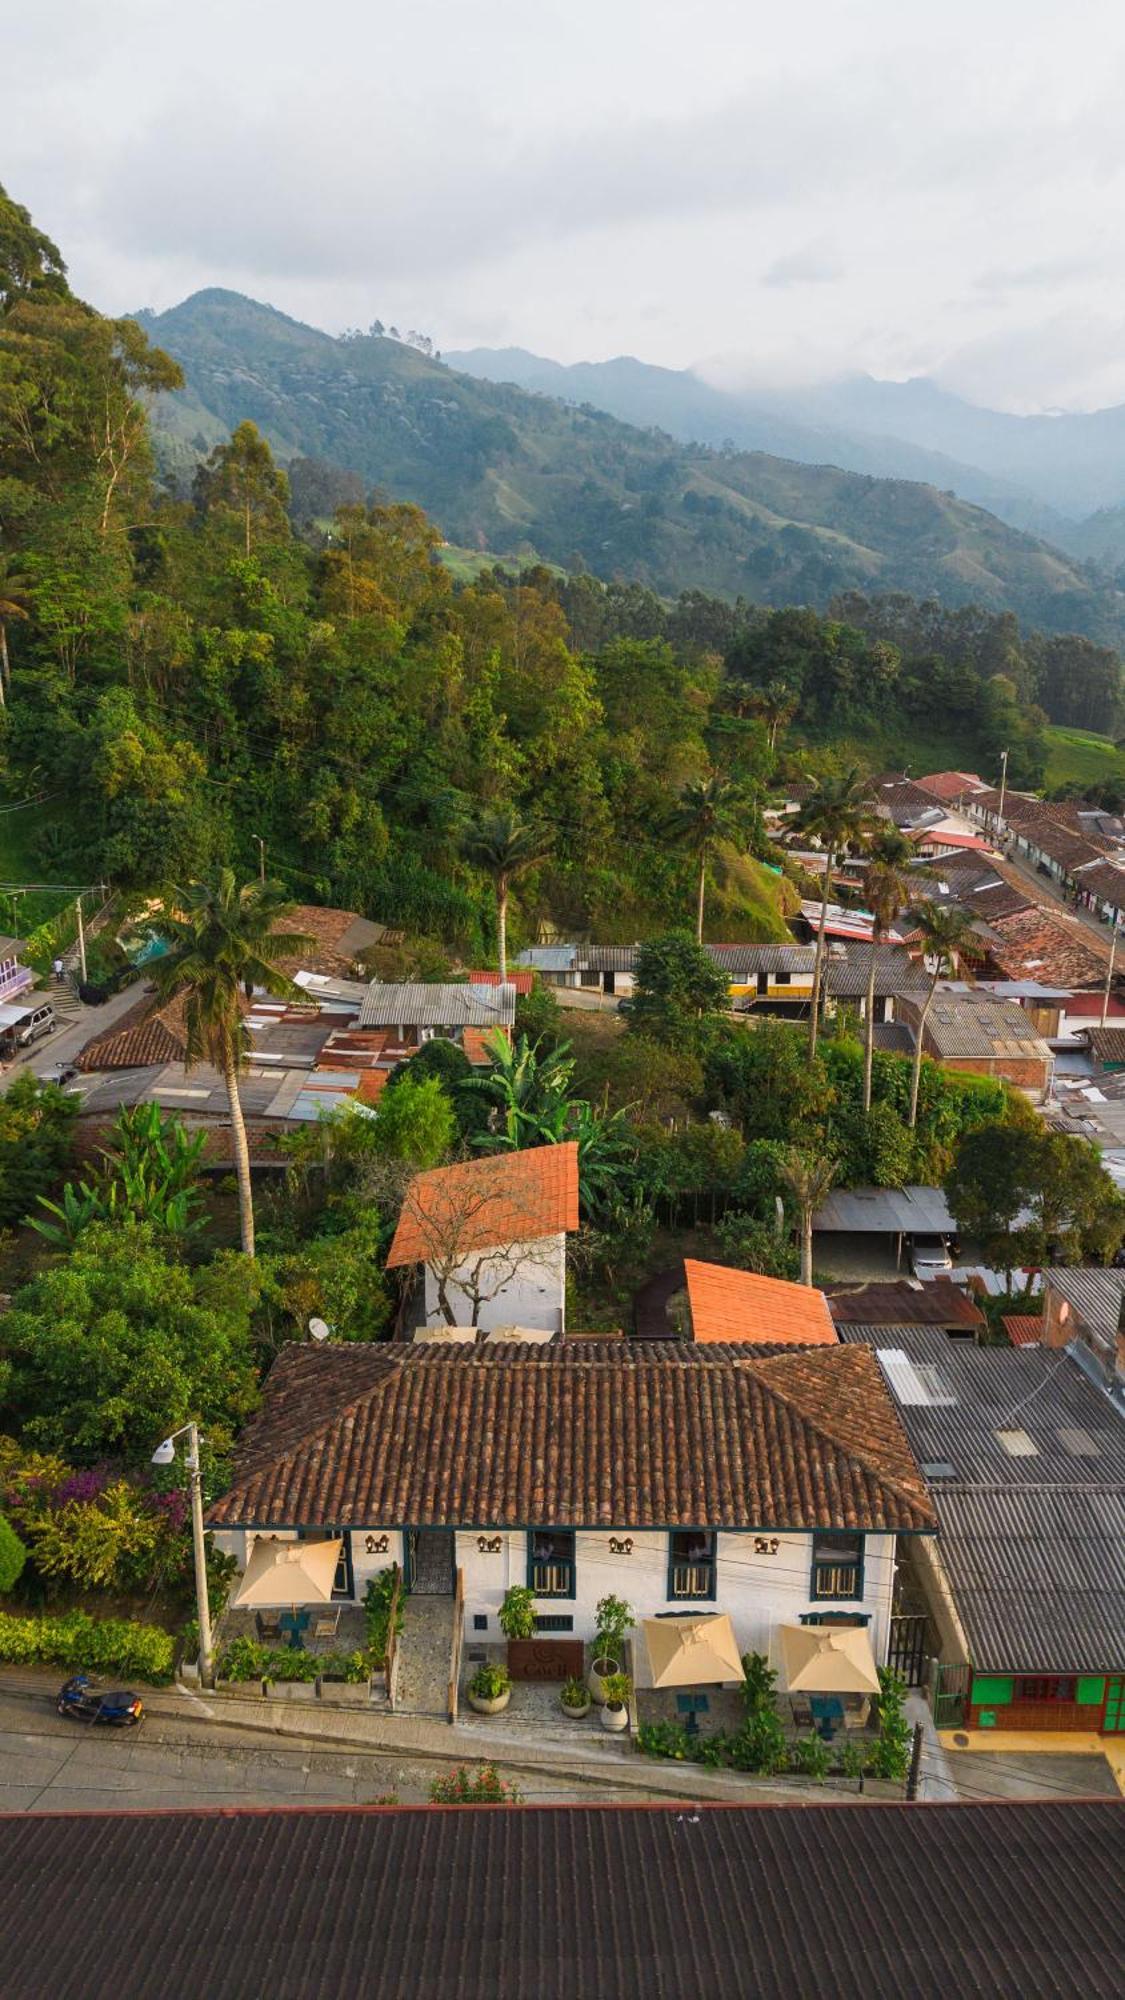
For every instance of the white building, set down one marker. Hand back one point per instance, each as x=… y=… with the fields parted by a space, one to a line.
x=488 y=1237
x=770 y=1486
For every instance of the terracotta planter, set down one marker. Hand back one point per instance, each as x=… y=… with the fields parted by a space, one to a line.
x=484 y=1706
x=575 y=1714
x=615 y=1718
x=596 y=1678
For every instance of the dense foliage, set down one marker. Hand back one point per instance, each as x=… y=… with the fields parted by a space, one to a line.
x=78 y=1641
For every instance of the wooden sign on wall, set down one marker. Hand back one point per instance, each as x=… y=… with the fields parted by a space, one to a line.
x=546 y=1659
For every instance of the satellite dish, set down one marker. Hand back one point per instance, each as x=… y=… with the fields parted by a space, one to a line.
x=319 y=1329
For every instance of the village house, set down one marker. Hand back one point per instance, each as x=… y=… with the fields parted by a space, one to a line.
x=487 y=1238
x=1024 y=1458
x=769 y=1486
x=908 y=1302
x=14 y=977
x=415 y=1013
x=729 y=1305
x=1086 y=1305
x=983 y=1034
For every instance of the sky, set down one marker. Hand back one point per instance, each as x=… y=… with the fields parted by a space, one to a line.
x=772 y=195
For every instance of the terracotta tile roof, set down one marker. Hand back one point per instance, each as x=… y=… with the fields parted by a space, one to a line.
x=1022 y=1329
x=938 y=1302
x=1107 y=1044
x=611 y=1434
x=143 y=1037
x=949 y=785
x=338 y=936
x=498 y=1199
x=371 y=1085
x=475 y=1041
x=522 y=981
x=730 y=1305
x=1034 y=945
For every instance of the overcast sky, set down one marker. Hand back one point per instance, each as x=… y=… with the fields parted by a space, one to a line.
x=774 y=193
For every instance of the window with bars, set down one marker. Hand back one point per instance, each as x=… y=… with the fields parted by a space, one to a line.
x=550 y=1564
x=837 y=1565
x=691 y=1563
x=1046 y=1687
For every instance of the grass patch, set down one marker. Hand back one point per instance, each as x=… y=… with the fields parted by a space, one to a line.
x=1078 y=757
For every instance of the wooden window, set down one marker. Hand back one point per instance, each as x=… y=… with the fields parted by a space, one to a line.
x=1046 y=1687
x=691 y=1564
x=550 y=1561
x=837 y=1565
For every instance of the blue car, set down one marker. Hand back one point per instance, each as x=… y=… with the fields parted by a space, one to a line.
x=83 y=1701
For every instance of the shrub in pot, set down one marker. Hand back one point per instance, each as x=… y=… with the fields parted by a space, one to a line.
x=517 y=1612
x=615 y=1711
x=615 y=1618
x=490 y=1689
x=575 y=1698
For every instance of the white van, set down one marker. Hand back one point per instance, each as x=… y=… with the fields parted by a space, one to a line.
x=21 y=1026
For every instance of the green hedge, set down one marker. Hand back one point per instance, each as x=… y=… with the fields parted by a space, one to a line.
x=246 y=1660
x=105 y=1645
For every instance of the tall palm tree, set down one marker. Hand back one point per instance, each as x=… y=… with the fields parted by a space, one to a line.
x=505 y=847
x=709 y=810
x=947 y=936
x=777 y=704
x=886 y=891
x=223 y=943
x=809 y=1177
x=838 y=812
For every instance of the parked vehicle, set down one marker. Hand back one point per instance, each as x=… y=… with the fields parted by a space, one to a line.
x=930 y=1257
x=21 y=1026
x=83 y=1701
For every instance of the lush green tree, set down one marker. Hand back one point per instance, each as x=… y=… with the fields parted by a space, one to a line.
x=149 y=1173
x=36 y=1140
x=838 y=814
x=505 y=847
x=414 y=1121
x=764 y=1077
x=753 y=1245
x=13 y=1556
x=631 y=1073
x=241 y=479
x=30 y=265
x=225 y=943
x=120 y=1343
x=448 y=1062
x=678 y=990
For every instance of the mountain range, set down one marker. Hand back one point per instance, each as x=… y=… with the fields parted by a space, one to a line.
x=671 y=487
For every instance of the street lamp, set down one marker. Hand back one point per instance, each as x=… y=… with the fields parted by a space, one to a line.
x=165 y=1454
x=1003 y=781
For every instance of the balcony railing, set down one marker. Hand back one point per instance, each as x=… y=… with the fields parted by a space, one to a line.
x=693 y=1579
x=552 y=1579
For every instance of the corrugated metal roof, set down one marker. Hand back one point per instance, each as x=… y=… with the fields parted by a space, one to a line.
x=549 y=957
x=978 y=1024
x=606 y=957
x=895 y=972
x=753 y=958
x=581 y=1902
x=438 y=1006
x=910 y=1210
x=1038 y=1577
x=1094 y=1293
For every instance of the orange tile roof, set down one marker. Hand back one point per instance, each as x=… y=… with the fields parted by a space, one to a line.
x=371 y=1085
x=475 y=1041
x=1023 y=1329
x=742 y=1305
x=481 y=1204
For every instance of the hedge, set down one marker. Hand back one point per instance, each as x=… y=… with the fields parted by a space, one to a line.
x=106 y=1645
x=246 y=1660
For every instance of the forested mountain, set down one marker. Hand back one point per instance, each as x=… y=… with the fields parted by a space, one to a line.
x=505 y=470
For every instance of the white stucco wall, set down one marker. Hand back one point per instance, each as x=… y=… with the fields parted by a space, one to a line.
x=533 y=1295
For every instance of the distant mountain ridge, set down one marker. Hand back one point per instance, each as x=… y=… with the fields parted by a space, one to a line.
x=504 y=469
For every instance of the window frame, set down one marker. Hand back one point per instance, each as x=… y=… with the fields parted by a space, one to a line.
x=1060 y=1688
x=569 y=1563
x=710 y=1562
x=836 y=1563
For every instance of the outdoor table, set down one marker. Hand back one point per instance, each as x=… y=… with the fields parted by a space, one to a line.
x=692 y=1705
x=827 y=1712
x=296 y=1623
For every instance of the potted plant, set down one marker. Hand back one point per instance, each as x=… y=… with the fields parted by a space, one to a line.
x=615 y=1618
x=517 y=1612
x=490 y=1689
x=615 y=1709
x=575 y=1698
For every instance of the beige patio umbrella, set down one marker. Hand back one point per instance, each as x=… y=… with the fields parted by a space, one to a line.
x=828 y=1659
x=287 y=1573
x=691 y=1652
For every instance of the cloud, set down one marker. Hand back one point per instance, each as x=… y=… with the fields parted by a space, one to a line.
x=810 y=266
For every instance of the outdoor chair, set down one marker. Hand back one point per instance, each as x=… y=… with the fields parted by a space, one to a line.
x=801 y=1710
x=268 y=1624
x=326 y=1624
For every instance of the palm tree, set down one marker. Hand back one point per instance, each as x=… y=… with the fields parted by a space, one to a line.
x=224 y=942
x=11 y=592
x=809 y=1177
x=505 y=847
x=947 y=935
x=777 y=704
x=886 y=891
x=838 y=812
x=709 y=810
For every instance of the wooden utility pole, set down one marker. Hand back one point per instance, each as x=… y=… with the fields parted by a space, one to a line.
x=81 y=942
x=915 y=1763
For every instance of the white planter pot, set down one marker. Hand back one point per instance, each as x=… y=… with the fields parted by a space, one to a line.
x=615 y=1719
x=575 y=1714
x=485 y=1707
x=595 y=1680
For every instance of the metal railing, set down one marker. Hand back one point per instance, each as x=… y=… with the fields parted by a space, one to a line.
x=458 y=1641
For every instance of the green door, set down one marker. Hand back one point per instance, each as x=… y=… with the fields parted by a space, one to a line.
x=1114 y=1723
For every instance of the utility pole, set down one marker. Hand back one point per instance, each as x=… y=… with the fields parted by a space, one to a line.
x=261 y=857
x=915 y=1763
x=164 y=1455
x=81 y=942
x=1003 y=780
x=1109 y=974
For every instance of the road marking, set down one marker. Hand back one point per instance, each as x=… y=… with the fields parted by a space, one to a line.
x=189 y=1694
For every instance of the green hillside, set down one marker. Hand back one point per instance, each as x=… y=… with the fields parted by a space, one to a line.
x=503 y=469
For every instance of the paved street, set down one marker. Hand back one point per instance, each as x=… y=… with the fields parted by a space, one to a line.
x=48 y=1764
x=45 y=1057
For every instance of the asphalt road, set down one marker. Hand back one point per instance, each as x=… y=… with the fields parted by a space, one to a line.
x=48 y=1764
